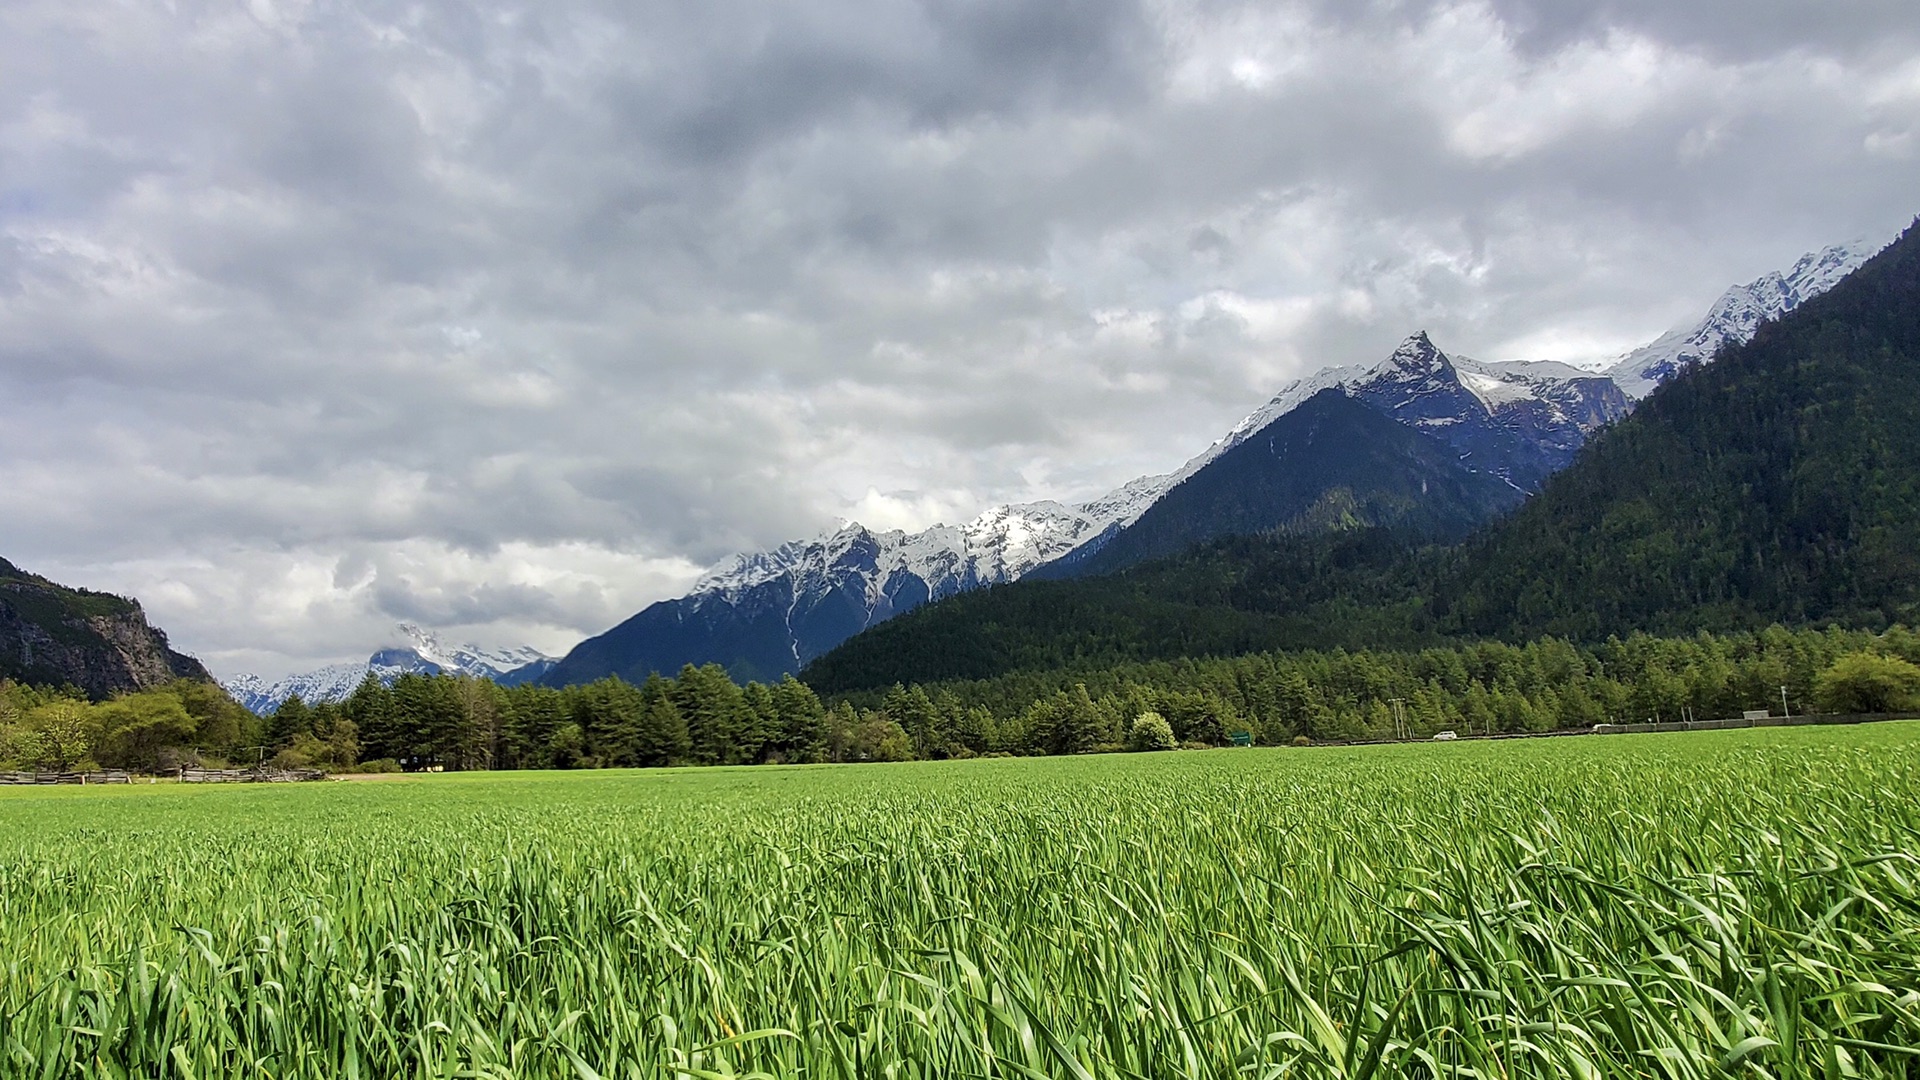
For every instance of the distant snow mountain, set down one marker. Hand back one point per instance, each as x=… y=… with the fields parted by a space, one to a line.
x=422 y=653
x=1736 y=315
x=1513 y=423
x=764 y=614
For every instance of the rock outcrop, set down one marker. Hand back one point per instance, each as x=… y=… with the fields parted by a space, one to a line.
x=52 y=635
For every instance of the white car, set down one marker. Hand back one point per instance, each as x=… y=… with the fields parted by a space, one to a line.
x=1445 y=736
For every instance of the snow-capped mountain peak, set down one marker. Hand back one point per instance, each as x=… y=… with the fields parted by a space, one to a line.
x=1454 y=398
x=1738 y=313
x=1415 y=358
x=466 y=659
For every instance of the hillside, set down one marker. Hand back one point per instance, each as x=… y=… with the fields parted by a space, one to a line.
x=52 y=635
x=1331 y=463
x=1352 y=589
x=1779 y=484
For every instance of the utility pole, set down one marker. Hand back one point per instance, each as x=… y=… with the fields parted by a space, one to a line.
x=1784 y=711
x=1399 y=718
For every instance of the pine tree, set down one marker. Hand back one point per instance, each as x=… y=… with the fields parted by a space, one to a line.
x=801 y=721
x=290 y=719
x=374 y=711
x=663 y=738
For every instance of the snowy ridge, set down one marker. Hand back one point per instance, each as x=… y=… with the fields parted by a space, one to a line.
x=1736 y=315
x=331 y=683
x=1001 y=544
x=426 y=649
x=422 y=653
x=1449 y=397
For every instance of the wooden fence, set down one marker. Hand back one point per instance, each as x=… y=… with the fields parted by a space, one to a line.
x=189 y=776
x=109 y=776
x=249 y=776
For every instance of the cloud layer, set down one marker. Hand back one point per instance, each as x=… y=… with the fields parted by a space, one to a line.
x=506 y=319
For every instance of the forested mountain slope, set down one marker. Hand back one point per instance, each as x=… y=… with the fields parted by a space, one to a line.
x=1331 y=463
x=1780 y=483
x=1353 y=589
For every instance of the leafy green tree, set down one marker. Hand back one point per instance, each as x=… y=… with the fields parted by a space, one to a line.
x=1298 y=707
x=759 y=736
x=1864 y=682
x=611 y=714
x=61 y=738
x=430 y=720
x=977 y=730
x=878 y=738
x=531 y=715
x=376 y=713
x=1200 y=716
x=138 y=731
x=569 y=747
x=842 y=722
x=481 y=708
x=221 y=724
x=715 y=713
x=343 y=745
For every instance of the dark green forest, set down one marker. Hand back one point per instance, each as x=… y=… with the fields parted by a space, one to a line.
x=703 y=718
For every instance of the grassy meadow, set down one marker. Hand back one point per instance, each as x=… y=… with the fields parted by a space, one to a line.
x=1740 y=903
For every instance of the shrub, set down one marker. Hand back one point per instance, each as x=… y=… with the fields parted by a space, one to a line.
x=1151 y=731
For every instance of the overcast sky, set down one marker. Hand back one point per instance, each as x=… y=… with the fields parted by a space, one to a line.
x=508 y=319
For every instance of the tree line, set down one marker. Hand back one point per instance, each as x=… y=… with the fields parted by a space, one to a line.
x=702 y=717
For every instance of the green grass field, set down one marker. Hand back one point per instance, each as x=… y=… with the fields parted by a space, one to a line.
x=1712 y=904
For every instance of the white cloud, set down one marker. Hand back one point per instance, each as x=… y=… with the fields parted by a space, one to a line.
x=311 y=315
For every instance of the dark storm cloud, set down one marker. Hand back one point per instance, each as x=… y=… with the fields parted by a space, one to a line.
x=317 y=315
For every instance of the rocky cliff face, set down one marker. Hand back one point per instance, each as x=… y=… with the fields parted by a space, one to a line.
x=51 y=635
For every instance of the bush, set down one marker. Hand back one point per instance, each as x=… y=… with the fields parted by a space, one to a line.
x=378 y=765
x=304 y=753
x=1302 y=740
x=1151 y=731
x=1866 y=682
